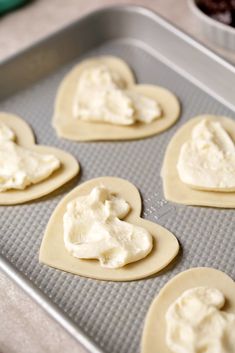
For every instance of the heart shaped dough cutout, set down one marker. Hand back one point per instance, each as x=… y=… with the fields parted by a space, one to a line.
x=25 y=138
x=177 y=191
x=74 y=129
x=153 y=338
x=53 y=252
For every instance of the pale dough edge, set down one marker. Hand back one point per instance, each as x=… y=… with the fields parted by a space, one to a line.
x=174 y=189
x=153 y=337
x=54 y=254
x=67 y=127
x=25 y=137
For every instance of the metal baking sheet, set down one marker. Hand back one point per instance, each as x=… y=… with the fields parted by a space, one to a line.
x=105 y=316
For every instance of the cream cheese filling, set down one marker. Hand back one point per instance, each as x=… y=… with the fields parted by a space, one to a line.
x=93 y=229
x=19 y=166
x=207 y=160
x=102 y=96
x=195 y=323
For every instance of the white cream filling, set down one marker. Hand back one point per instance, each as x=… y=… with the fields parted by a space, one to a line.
x=207 y=160
x=93 y=229
x=101 y=96
x=6 y=134
x=19 y=166
x=195 y=323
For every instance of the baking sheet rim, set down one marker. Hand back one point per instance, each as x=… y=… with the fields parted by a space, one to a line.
x=5 y=265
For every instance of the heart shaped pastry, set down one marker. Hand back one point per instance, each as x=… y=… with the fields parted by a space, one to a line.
x=68 y=126
x=69 y=167
x=177 y=191
x=154 y=334
x=54 y=253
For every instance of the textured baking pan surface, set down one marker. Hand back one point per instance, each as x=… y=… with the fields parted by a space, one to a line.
x=112 y=314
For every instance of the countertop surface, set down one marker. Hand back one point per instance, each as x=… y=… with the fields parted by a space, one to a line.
x=24 y=326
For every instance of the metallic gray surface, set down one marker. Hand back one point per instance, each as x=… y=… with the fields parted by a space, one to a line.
x=112 y=314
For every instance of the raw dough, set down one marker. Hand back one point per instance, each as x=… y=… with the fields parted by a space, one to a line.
x=177 y=191
x=24 y=137
x=153 y=339
x=69 y=127
x=53 y=252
